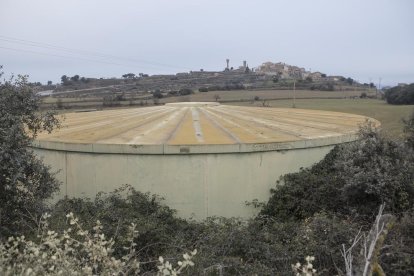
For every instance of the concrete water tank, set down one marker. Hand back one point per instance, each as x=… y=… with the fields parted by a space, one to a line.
x=205 y=159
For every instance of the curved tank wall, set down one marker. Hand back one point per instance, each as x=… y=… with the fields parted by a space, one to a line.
x=205 y=159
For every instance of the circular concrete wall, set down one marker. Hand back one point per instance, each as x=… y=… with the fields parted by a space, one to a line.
x=205 y=159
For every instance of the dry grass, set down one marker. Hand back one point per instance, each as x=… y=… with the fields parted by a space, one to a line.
x=389 y=115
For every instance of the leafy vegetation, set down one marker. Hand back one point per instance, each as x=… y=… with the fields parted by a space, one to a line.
x=227 y=87
x=25 y=182
x=157 y=94
x=185 y=91
x=409 y=130
x=112 y=100
x=323 y=87
x=400 y=94
x=397 y=257
x=66 y=81
x=129 y=76
x=76 y=251
x=233 y=246
x=117 y=210
x=352 y=180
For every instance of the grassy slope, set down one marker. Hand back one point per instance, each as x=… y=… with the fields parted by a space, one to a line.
x=248 y=95
x=225 y=96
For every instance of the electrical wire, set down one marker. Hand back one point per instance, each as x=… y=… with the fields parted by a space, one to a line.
x=67 y=57
x=80 y=52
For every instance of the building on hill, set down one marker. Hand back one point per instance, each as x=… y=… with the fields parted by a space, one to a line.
x=272 y=69
x=296 y=72
x=282 y=70
x=316 y=76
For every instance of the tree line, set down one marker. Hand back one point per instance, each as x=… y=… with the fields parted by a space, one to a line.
x=400 y=94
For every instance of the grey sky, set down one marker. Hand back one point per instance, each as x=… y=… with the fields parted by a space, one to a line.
x=360 y=39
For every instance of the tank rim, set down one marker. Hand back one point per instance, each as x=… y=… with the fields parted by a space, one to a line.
x=165 y=149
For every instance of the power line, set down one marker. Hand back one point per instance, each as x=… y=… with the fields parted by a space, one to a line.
x=77 y=51
x=67 y=57
x=82 y=52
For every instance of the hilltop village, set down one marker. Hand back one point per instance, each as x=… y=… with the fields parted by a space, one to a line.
x=269 y=75
x=268 y=81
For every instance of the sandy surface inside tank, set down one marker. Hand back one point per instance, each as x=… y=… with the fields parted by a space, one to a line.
x=202 y=125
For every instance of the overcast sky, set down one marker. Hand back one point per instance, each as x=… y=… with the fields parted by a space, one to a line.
x=364 y=40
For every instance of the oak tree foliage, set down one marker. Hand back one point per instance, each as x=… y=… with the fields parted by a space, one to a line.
x=400 y=94
x=353 y=179
x=25 y=182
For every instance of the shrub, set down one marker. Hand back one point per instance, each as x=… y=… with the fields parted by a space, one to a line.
x=227 y=245
x=117 y=210
x=350 y=81
x=214 y=88
x=173 y=93
x=409 y=130
x=59 y=103
x=203 y=89
x=25 y=182
x=323 y=87
x=157 y=94
x=353 y=179
x=398 y=257
x=400 y=94
x=110 y=101
x=76 y=251
x=185 y=91
x=120 y=97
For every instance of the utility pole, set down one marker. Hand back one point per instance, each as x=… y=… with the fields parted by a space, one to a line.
x=369 y=86
x=294 y=93
x=378 y=88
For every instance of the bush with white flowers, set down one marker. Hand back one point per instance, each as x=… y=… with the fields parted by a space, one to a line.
x=305 y=269
x=75 y=252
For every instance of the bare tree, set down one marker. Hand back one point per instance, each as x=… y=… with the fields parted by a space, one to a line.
x=371 y=246
x=347 y=254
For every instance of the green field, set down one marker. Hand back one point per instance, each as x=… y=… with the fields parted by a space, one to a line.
x=270 y=94
x=222 y=96
x=389 y=115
